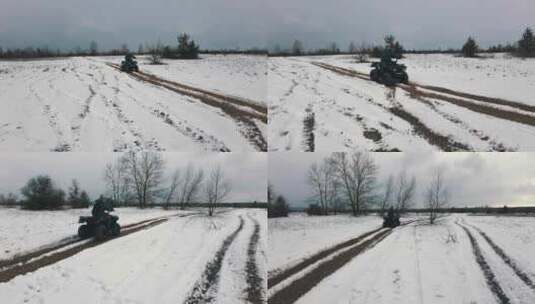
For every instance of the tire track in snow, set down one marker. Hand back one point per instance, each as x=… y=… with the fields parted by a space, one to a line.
x=205 y=289
x=243 y=113
x=309 y=123
x=255 y=284
x=50 y=257
x=297 y=288
x=506 y=259
x=490 y=277
x=444 y=143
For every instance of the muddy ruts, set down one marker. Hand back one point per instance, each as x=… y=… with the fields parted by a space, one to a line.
x=33 y=265
x=309 y=122
x=204 y=290
x=254 y=280
x=485 y=268
x=296 y=289
x=506 y=259
x=283 y=275
x=443 y=142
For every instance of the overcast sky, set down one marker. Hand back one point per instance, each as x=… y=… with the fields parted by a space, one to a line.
x=248 y=23
x=247 y=171
x=474 y=179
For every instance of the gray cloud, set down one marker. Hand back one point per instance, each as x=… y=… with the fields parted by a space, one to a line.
x=247 y=23
x=474 y=178
x=247 y=171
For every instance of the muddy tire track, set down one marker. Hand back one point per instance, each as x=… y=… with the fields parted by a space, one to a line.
x=444 y=143
x=296 y=289
x=506 y=259
x=255 y=285
x=494 y=146
x=475 y=107
x=513 y=116
x=309 y=122
x=286 y=273
x=243 y=113
x=205 y=289
x=490 y=277
x=35 y=264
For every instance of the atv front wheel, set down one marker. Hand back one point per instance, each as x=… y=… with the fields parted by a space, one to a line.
x=100 y=232
x=83 y=232
x=374 y=75
x=115 y=229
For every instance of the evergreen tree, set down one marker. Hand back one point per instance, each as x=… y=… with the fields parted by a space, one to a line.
x=85 y=201
x=187 y=48
x=470 y=48
x=93 y=48
x=526 y=45
x=41 y=193
x=297 y=48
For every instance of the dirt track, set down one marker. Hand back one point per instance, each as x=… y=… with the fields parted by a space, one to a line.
x=206 y=287
x=244 y=112
x=297 y=288
x=462 y=99
x=35 y=260
x=255 y=281
x=490 y=277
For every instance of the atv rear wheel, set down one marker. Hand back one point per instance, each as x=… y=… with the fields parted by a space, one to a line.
x=83 y=232
x=100 y=232
x=374 y=75
x=115 y=229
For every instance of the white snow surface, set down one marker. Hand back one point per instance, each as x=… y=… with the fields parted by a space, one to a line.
x=422 y=263
x=346 y=108
x=242 y=76
x=157 y=265
x=298 y=236
x=82 y=104
x=22 y=230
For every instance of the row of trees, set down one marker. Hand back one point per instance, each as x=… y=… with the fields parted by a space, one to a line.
x=525 y=46
x=41 y=193
x=140 y=178
x=351 y=179
x=134 y=179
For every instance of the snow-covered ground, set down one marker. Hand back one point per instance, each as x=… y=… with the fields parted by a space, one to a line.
x=157 y=265
x=293 y=238
x=421 y=263
x=350 y=112
x=239 y=75
x=82 y=104
x=23 y=230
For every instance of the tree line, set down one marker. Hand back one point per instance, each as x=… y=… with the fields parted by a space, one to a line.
x=349 y=181
x=134 y=179
x=524 y=47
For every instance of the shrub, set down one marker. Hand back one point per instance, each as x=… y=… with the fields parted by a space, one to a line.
x=470 y=48
x=41 y=193
x=279 y=208
x=314 y=209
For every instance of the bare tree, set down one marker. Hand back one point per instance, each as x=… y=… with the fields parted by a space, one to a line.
x=357 y=174
x=190 y=186
x=146 y=171
x=118 y=181
x=322 y=179
x=436 y=195
x=405 y=190
x=171 y=190
x=217 y=189
x=386 y=198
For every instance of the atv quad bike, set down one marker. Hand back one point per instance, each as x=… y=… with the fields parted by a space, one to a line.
x=391 y=219
x=129 y=64
x=100 y=225
x=388 y=71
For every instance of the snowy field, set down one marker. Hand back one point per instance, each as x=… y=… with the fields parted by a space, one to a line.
x=167 y=263
x=421 y=263
x=84 y=104
x=296 y=237
x=326 y=103
x=24 y=230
